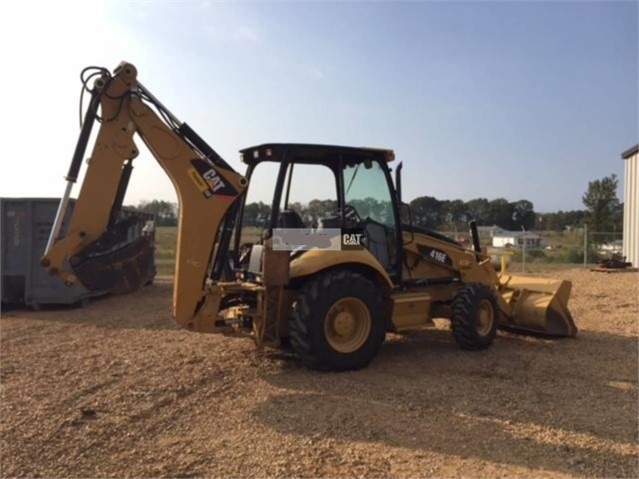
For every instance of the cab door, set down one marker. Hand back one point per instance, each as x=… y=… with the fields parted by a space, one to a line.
x=368 y=192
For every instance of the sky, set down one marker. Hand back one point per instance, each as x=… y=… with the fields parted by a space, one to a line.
x=510 y=99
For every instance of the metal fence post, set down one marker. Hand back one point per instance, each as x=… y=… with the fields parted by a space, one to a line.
x=523 y=254
x=585 y=245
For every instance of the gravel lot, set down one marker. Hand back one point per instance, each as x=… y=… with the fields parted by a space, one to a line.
x=115 y=389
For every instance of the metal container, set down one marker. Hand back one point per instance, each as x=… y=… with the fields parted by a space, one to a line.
x=25 y=227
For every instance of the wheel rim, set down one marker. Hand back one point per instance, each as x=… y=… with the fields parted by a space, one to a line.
x=485 y=317
x=347 y=325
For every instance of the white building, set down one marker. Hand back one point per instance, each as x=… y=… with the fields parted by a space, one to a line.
x=486 y=232
x=631 y=205
x=506 y=239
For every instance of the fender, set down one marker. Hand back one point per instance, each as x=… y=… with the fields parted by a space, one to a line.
x=315 y=260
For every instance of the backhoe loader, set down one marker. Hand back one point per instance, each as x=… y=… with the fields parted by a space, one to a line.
x=331 y=289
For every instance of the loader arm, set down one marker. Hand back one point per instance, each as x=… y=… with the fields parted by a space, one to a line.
x=207 y=188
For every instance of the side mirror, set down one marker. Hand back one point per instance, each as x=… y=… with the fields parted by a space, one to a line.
x=404 y=213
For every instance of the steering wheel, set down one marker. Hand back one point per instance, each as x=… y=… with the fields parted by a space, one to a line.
x=351 y=217
x=351 y=214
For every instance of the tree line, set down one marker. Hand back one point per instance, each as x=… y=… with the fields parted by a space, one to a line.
x=432 y=213
x=165 y=212
x=603 y=211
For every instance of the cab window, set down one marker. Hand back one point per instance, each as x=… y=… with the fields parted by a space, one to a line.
x=366 y=190
x=312 y=196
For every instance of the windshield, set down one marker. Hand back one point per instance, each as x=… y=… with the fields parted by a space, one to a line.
x=367 y=191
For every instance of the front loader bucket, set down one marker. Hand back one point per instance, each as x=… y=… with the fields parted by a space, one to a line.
x=537 y=306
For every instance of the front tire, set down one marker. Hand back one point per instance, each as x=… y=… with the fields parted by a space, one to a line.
x=337 y=322
x=475 y=316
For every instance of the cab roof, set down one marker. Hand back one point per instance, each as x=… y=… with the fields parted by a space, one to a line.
x=313 y=154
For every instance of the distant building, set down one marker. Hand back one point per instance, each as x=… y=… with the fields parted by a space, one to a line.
x=631 y=205
x=489 y=231
x=506 y=239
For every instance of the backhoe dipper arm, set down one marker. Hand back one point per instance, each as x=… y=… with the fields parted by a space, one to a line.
x=207 y=189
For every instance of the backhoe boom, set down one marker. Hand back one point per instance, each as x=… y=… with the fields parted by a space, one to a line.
x=207 y=189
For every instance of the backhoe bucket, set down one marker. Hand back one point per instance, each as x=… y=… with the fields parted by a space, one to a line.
x=537 y=306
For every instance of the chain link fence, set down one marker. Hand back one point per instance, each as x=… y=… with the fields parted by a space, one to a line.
x=536 y=248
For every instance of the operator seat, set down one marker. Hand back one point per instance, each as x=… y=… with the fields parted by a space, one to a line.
x=377 y=242
x=290 y=219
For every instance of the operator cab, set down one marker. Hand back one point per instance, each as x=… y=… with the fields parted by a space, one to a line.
x=321 y=186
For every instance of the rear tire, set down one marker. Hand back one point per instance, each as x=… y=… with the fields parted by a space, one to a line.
x=337 y=322
x=475 y=316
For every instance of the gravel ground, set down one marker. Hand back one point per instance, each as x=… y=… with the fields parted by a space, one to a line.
x=115 y=389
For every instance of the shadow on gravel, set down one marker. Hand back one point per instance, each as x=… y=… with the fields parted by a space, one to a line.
x=566 y=406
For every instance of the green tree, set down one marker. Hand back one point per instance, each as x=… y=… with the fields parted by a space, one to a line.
x=166 y=213
x=523 y=214
x=478 y=209
x=500 y=212
x=255 y=214
x=454 y=214
x=426 y=211
x=602 y=203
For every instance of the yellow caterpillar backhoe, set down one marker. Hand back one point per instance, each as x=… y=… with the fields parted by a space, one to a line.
x=331 y=289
